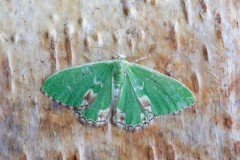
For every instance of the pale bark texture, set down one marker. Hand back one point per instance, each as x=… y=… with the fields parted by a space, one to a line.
x=196 y=42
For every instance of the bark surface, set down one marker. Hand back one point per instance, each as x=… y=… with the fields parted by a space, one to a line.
x=196 y=42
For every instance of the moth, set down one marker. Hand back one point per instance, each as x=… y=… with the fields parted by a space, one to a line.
x=126 y=94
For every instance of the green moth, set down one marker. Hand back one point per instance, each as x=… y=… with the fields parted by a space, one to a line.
x=126 y=94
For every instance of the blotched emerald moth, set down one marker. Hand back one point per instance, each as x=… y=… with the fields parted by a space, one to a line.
x=126 y=94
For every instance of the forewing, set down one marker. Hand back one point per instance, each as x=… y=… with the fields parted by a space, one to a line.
x=158 y=93
x=87 y=87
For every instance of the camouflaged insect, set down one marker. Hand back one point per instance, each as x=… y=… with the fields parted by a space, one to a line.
x=117 y=91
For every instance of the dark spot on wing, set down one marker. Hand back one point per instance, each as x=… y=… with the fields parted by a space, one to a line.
x=122 y=118
x=100 y=115
x=89 y=97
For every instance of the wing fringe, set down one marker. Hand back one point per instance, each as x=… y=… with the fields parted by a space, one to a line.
x=102 y=123
x=77 y=112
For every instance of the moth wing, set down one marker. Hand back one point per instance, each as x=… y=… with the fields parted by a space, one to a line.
x=130 y=114
x=86 y=88
x=150 y=94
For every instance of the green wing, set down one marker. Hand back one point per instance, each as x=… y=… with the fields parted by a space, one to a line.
x=130 y=114
x=147 y=93
x=86 y=88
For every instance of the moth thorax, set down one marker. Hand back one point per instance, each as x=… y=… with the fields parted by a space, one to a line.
x=119 y=72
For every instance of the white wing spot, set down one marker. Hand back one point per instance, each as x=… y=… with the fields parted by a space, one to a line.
x=140 y=87
x=145 y=102
x=143 y=117
x=119 y=118
x=103 y=114
x=97 y=82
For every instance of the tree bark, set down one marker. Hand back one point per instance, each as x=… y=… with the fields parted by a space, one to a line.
x=195 y=42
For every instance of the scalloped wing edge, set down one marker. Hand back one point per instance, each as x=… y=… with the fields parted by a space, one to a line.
x=148 y=122
x=83 y=120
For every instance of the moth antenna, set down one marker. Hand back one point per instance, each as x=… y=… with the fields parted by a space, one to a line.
x=140 y=59
x=120 y=55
